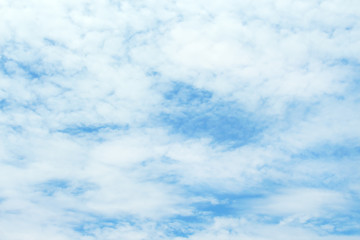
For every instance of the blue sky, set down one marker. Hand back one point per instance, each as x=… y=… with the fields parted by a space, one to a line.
x=179 y=120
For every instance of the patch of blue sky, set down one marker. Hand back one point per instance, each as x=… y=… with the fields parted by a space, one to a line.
x=339 y=151
x=348 y=232
x=92 y=129
x=337 y=225
x=309 y=172
x=17 y=159
x=186 y=225
x=178 y=232
x=186 y=219
x=347 y=61
x=351 y=65
x=184 y=94
x=93 y=223
x=245 y=205
x=82 y=188
x=218 y=209
x=134 y=37
x=31 y=70
x=182 y=228
x=267 y=185
x=251 y=193
x=354 y=88
x=51 y=187
x=294 y=111
x=264 y=218
x=3 y=104
x=52 y=42
x=225 y=204
x=153 y=73
x=178 y=226
x=89 y=224
x=168 y=178
x=316 y=176
x=36 y=68
x=3 y=67
x=194 y=113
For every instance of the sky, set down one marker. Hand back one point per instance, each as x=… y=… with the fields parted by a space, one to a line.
x=179 y=119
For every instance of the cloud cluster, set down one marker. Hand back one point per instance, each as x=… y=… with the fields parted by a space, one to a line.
x=179 y=119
